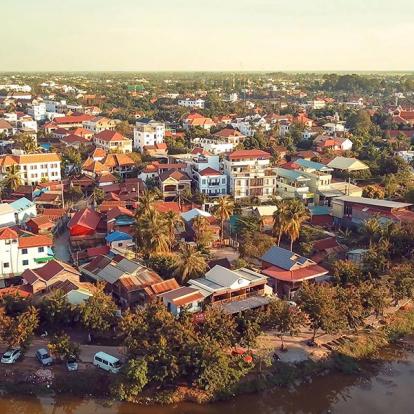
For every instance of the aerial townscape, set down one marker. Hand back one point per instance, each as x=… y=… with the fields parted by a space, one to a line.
x=206 y=207
x=197 y=234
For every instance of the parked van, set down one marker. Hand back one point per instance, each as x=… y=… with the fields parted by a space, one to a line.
x=107 y=362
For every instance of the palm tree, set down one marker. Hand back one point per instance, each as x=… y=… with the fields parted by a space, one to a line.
x=202 y=233
x=297 y=213
x=145 y=201
x=13 y=177
x=223 y=210
x=190 y=263
x=280 y=220
x=172 y=221
x=372 y=229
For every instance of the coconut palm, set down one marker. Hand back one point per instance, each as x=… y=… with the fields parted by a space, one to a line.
x=190 y=263
x=280 y=220
x=223 y=210
x=372 y=229
x=172 y=221
x=203 y=235
x=13 y=178
x=145 y=201
x=297 y=213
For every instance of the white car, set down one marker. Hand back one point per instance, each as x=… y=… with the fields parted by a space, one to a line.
x=11 y=356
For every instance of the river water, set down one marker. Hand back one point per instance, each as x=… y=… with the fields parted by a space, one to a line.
x=387 y=386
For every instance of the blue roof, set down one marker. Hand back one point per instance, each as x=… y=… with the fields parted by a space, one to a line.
x=117 y=236
x=291 y=174
x=283 y=258
x=22 y=204
x=319 y=210
x=312 y=164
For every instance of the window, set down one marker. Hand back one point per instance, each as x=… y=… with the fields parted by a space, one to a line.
x=24 y=251
x=6 y=265
x=41 y=249
x=7 y=241
x=25 y=262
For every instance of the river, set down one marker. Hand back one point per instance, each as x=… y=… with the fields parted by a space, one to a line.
x=386 y=387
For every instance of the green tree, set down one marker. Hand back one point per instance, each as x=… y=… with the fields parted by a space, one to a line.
x=318 y=302
x=401 y=278
x=61 y=347
x=13 y=178
x=297 y=214
x=98 y=312
x=203 y=235
x=55 y=311
x=285 y=319
x=26 y=143
x=347 y=273
x=18 y=331
x=134 y=377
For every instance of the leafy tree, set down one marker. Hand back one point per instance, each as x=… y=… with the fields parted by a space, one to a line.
x=349 y=303
x=203 y=235
x=347 y=273
x=218 y=326
x=375 y=297
x=18 y=331
x=98 y=195
x=373 y=191
x=55 y=311
x=61 y=347
x=173 y=221
x=26 y=143
x=98 y=311
x=248 y=328
x=318 y=302
x=134 y=379
x=401 y=280
x=285 y=319
x=376 y=260
x=372 y=230
x=14 y=304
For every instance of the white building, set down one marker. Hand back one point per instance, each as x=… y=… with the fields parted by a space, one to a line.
x=19 y=252
x=33 y=168
x=37 y=111
x=250 y=174
x=148 y=132
x=192 y=103
x=214 y=146
x=210 y=182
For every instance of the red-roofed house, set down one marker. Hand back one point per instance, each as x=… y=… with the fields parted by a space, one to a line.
x=22 y=250
x=211 y=182
x=112 y=141
x=46 y=276
x=174 y=183
x=84 y=222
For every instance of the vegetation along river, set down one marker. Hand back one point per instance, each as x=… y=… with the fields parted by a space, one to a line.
x=385 y=386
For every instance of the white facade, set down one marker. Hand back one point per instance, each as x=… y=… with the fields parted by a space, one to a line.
x=213 y=185
x=214 y=146
x=34 y=167
x=15 y=259
x=148 y=133
x=192 y=103
x=38 y=111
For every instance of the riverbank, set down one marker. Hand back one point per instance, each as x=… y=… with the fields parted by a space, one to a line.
x=347 y=358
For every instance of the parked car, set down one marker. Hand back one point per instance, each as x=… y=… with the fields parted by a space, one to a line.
x=107 y=362
x=44 y=357
x=71 y=363
x=11 y=356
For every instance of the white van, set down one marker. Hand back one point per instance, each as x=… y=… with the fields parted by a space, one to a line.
x=107 y=362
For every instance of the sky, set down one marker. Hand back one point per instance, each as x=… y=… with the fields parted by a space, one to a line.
x=206 y=35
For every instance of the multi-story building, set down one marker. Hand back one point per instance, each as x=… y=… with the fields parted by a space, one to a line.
x=112 y=141
x=292 y=184
x=210 y=182
x=21 y=251
x=148 y=132
x=99 y=123
x=250 y=174
x=37 y=111
x=192 y=103
x=33 y=168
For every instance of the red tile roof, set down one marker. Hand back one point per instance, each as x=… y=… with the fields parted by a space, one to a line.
x=254 y=153
x=35 y=241
x=72 y=119
x=86 y=218
x=209 y=171
x=304 y=273
x=110 y=136
x=7 y=234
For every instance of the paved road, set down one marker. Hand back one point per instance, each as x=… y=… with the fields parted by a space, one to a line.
x=86 y=351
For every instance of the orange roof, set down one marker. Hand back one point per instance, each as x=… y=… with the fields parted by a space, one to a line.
x=98 y=153
x=117 y=160
x=228 y=132
x=209 y=171
x=110 y=136
x=254 y=153
x=7 y=233
x=7 y=160
x=73 y=119
x=35 y=241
